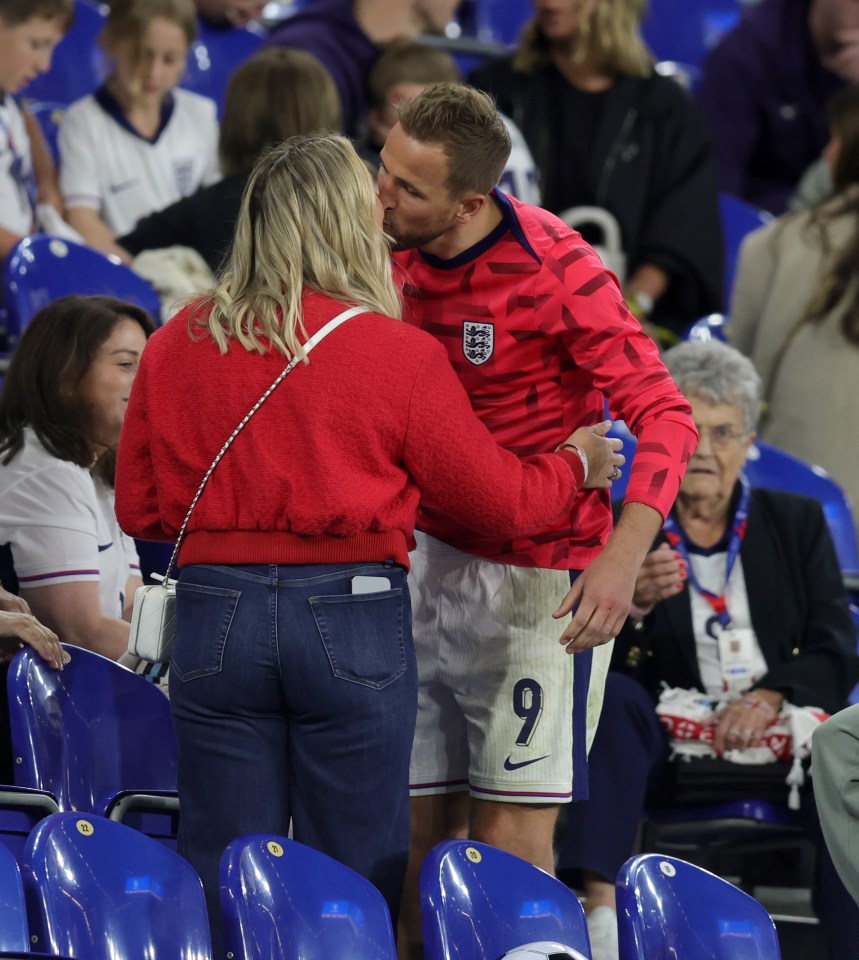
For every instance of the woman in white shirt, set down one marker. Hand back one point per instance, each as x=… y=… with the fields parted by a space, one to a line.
x=61 y=412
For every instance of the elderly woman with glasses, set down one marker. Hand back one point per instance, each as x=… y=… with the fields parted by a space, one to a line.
x=741 y=593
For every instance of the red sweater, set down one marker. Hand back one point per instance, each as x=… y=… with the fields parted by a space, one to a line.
x=330 y=469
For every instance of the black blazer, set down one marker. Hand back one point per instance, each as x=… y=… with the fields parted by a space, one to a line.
x=797 y=602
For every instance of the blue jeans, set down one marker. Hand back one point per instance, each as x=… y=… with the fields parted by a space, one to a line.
x=294 y=700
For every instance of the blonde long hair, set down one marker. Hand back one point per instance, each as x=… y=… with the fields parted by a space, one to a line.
x=306 y=222
x=610 y=35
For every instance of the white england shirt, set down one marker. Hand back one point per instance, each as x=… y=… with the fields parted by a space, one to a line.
x=106 y=165
x=60 y=523
x=520 y=178
x=17 y=184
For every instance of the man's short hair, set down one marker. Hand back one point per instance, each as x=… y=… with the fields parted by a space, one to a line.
x=463 y=121
x=408 y=61
x=15 y=12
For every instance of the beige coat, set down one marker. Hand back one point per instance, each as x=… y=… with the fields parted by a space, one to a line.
x=813 y=388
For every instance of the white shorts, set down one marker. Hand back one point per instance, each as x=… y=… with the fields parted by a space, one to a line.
x=503 y=710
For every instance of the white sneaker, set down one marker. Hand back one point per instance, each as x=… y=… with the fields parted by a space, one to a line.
x=602 y=931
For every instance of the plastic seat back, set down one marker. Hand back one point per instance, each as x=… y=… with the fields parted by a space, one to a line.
x=50 y=115
x=738 y=219
x=768 y=466
x=704 y=329
x=41 y=269
x=669 y=908
x=88 y=732
x=282 y=900
x=100 y=890
x=78 y=65
x=687 y=29
x=214 y=55
x=479 y=902
x=14 y=933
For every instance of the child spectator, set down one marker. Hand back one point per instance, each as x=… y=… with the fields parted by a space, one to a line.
x=137 y=144
x=406 y=68
x=29 y=31
x=277 y=94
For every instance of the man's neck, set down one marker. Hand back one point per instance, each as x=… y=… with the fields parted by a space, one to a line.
x=461 y=238
x=382 y=20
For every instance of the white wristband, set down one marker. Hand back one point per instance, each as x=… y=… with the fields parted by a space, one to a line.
x=582 y=456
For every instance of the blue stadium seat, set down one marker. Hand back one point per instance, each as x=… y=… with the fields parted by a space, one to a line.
x=214 y=55
x=41 y=269
x=97 y=737
x=478 y=902
x=282 y=900
x=767 y=466
x=711 y=327
x=738 y=219
x=20 y=810
x=669 y=908
x=685 y=30
x=500 y=21
x=100 y=890
x=79 y=65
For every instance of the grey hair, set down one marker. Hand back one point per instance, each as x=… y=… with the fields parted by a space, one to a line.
x=719 y=373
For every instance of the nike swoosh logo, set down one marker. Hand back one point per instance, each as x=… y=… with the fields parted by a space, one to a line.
x=509 y=765
x=119 y=187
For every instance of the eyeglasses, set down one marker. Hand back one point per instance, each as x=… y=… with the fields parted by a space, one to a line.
x=722 y=435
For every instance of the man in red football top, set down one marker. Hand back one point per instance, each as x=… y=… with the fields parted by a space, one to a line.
x=540 y=336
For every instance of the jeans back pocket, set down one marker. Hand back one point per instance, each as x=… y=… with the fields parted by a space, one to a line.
x=204 y=615
x=363 y=635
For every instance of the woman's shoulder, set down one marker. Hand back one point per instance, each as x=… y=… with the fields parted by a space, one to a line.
x=34 y=463
x=189 y=103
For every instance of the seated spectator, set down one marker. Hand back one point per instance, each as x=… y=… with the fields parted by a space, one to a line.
x=29 y=32
x=606 y=131
x=404 y=69
x=795 y=312
x=138 y=143
x=278 y=93
x=764 y=90
x=346 y=37
x=742 y=600
x=61 y=411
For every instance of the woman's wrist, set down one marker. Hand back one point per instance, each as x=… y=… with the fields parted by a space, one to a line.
x=581 y=455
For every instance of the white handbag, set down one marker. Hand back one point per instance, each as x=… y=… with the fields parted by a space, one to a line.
x=153 y=617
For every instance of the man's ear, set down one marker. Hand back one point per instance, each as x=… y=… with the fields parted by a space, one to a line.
x=470 y=206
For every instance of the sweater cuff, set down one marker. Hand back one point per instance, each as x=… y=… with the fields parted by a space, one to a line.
x=575 y=463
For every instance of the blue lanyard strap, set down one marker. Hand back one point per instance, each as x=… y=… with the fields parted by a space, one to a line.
x=677 y=539
x=27 y=181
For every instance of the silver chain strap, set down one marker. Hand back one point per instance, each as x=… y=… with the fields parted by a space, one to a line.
x=311 y=343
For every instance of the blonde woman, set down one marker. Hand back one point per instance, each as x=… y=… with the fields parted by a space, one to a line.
x=606 y=131
x=293 y=682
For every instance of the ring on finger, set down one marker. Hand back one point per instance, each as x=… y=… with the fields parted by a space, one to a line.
x=615 y=474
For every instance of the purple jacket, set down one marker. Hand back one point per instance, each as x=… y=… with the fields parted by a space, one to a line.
x=763 y=93
x=328 y=29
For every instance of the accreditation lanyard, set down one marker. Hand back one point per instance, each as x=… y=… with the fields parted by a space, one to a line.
x=677 y=540
x=27 y=181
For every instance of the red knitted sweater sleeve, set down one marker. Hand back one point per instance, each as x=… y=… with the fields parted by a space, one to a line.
x=463 y=473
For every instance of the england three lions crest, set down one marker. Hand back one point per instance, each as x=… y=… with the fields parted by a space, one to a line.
x=478 y=341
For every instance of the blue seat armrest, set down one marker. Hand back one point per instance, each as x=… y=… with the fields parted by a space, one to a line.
x=117 y=805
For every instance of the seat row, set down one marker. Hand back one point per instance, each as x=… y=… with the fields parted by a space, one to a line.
x=97 y=889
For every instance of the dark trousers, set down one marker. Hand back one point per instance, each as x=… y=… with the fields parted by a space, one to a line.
x=629 y=768
x=294 y=701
